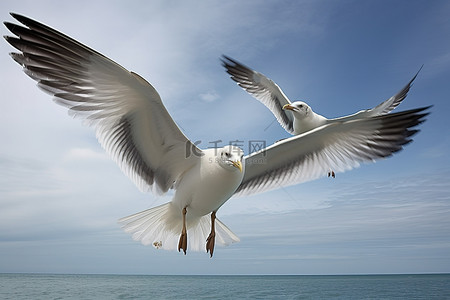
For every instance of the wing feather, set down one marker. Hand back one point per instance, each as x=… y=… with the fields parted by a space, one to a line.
x=263 y=89
x=384 y=107
x=126 y=111
x=338 y=146
x=391 y=103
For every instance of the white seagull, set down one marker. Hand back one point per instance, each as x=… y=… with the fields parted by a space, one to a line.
x=134 y=127
x=298 y=117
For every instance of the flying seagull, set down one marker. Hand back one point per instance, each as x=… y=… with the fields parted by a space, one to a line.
x=297 y=117
x=134 y=127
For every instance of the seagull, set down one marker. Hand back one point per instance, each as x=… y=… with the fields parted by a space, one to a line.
x=298 y=117
x=134 y=127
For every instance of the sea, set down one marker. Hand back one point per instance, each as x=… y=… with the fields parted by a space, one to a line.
x=58 y=286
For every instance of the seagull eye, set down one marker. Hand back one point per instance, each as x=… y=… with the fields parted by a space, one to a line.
x=301 y=106
x=227 y=154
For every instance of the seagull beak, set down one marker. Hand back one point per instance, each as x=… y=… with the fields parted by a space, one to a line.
x=237 y=164
x=288 y=107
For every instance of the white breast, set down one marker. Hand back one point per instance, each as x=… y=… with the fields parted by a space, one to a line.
x=207 y=186
x=307 y=122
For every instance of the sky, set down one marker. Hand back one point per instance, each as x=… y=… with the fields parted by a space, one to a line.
x=61 y=195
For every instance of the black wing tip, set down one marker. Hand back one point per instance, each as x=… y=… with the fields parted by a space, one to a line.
x=28 y=21
x=20 y=59
x=407 y=120
x=419 y=109
x=410 y=83
x=226 y=58
x=411 y=132
x=21 y=18
x=228 y=62
x=420 y=113
x=13 y=41
x=403 y=93
x=13 y=26
x=426 y=108
x=420 y=69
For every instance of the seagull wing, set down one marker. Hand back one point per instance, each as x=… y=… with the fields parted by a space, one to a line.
x=391 y=103
x=385 y=106
x=263 y=89
x=338 y=146
x=127 y=113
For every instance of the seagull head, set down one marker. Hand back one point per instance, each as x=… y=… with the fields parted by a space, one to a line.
x=230 y=158
x=298 y=108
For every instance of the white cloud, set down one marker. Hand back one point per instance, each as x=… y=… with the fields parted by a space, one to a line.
x=209 y=96
x=76 y=154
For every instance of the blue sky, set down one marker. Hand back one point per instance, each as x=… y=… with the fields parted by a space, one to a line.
x=61 y=195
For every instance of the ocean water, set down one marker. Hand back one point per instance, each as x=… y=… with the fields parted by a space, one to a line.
x=48 y=286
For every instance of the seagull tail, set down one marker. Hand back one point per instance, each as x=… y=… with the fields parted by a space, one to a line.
x=224 y=235
x=161 y=227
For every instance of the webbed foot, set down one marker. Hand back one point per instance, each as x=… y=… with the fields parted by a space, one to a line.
x=182 y=243
x=211 y=240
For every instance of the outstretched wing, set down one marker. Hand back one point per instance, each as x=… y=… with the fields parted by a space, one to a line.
x=391 y=103
x=127 y=113
x=385 y=106
x=263 y=89
x=338 y=146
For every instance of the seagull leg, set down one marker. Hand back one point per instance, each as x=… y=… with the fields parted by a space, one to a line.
x=182 y=244
x=331 y=173
x=210 y=241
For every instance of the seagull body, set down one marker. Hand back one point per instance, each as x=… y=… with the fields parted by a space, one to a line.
x=202 y=189
x=134 y=127
x=297 y=117
x=218 y=180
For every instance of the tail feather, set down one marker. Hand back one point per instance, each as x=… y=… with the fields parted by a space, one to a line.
x=224 y=235
x=161 y=226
